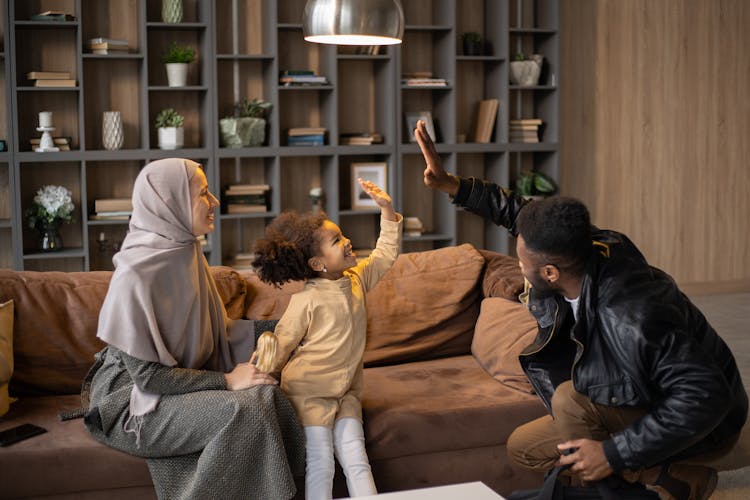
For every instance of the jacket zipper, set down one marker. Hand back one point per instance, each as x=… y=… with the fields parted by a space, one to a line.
x=533 y=382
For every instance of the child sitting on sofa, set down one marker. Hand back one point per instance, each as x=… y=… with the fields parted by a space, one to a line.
x=321 y=336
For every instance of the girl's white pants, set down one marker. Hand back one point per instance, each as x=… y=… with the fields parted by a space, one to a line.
x=347 y=441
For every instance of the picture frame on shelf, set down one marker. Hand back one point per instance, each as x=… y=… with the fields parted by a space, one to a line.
x=375 y=172
x=412 y=117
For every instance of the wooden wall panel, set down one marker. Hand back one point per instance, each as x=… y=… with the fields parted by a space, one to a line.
x=655 y=115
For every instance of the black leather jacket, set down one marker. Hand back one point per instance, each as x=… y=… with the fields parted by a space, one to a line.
x=638 y=342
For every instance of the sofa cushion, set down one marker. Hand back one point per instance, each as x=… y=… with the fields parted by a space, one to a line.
x=54 y=334
x=66 y=457
x=502 y=275
x=425 y=306
x=264 y=301
x=6 y=353
x=503 y=329
x=439 y=405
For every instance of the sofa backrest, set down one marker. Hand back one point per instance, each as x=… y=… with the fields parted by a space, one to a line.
x=55 y=321
x=425 y=307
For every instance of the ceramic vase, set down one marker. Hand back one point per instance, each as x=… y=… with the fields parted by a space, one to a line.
x=171 y=137
x=177 y=74
x=113 y=135
x=171 y=11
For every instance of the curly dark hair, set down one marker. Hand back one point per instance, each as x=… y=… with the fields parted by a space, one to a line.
x=289 y=242
x=559 y=230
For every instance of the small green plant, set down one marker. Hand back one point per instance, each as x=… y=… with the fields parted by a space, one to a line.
x=178 y=54
x=169 y=118
x=534 y=184
x=520 y=56
x=252 y=109
x=471 y=37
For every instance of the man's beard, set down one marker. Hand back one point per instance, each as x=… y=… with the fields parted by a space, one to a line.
x=542 y=288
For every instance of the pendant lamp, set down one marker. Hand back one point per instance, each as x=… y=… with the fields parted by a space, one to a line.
x=353 y=22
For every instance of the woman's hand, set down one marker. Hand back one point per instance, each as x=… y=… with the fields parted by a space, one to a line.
x=435 y=175
x=246 y=375
x=380 y=197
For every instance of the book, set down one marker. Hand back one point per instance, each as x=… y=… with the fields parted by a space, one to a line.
x=107 y=42
x=48 y=75
x=303 y=79
x=306 y=131
x=245 y=209
x=109 y=217
x=62 y=82
x=526 y=121
x=113 y=204
x=306 y=140
x=59 y=141
x=486 y=115
x=297 y=72
x=247 y=189
x=258 y=199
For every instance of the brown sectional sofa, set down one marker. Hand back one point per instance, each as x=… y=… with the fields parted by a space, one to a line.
x=443 y=389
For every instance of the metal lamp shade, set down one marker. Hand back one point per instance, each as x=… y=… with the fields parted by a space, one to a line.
x=354 y=22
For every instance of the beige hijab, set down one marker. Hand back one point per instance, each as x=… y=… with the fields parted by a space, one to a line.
x=163 y=305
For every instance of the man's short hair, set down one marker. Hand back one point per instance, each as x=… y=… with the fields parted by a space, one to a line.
x=559 y=230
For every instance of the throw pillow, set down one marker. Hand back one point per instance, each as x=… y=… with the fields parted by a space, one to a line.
x=503 y=330
x=502 y=276
x=425 y=306
x=6 y=353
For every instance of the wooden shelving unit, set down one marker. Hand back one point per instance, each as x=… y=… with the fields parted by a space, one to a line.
x=242 y=46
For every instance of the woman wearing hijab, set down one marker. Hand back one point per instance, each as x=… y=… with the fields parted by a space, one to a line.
x=175 y=384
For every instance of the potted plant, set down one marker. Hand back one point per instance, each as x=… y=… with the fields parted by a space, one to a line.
x=169 y=126
x=525 y=71
x=248 y=125
x=176 y=60
x=52 y=206
x=532 y=185
x=472 y=43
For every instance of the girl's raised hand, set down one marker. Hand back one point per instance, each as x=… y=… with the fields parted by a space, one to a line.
x=380 y=197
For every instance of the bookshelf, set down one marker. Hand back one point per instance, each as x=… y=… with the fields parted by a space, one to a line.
x=242 y=46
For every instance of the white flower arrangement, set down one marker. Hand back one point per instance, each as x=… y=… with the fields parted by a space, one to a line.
x=52 y=204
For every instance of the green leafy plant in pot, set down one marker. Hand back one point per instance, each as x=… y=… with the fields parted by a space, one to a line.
x=531 y=184
x=247 y=128
x=176 y=60
x=169 y=124
x=472 y=43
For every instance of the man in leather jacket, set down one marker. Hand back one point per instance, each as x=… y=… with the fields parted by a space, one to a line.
x=636 y=381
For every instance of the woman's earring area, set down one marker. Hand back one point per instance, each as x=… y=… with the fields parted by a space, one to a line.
x=324 y=269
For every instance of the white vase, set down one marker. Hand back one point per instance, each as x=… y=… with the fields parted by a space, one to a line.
x=171 y=137
x=113 y=135
x=177 y=74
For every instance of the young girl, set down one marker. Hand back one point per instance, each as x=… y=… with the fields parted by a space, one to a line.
x=321 y=336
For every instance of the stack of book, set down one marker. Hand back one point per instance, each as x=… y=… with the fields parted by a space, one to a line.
x=243 y=261
x=62 y=143
x=486 y=115
x=112 y=209
x=361 y=138
x=423 y=82
x=525 y=130
x=413 y=226
x=51 y=78
x=246 y=198
x=306 y=136
x=107 y=45
x=291 y=77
